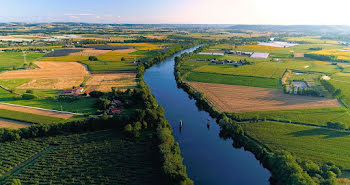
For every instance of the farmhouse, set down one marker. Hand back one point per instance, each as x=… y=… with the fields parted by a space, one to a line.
x=115 y=110
x=73 y=92
x=259 y=55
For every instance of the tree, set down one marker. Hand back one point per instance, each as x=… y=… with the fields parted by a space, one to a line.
x=93 y=58
x=122 y=59
x=16 y=182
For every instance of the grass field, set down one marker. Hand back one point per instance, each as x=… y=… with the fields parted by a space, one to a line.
x=114 y=66
x=103 y=157
x=82 y=105
x=233 y=80
x=316 y=144
x=8 y=60
x=266 y=69
x=318 y=116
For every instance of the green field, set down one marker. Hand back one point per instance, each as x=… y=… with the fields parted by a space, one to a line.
x=8 y=60
x=103 y=157
x=46 y=100
x=342 y=83
x=270 y=69
x=316 y=144
x=233 y=80
x=307 y=116
x=108 y=66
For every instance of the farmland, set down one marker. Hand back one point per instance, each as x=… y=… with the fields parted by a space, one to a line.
x=316 y=144
x=104 y=82
x=9 y=60
x=230 y=98
x=104 y=157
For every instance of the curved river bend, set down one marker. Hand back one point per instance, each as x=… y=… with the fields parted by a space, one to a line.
x=209 y=159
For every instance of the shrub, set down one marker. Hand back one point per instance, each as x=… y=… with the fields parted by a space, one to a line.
x=29 y=91
x=93 y=58
x=96 y=94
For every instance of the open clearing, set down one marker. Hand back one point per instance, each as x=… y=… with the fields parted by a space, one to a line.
x=233 y=98
x=104 y=82
x=36 y=111
x=7 y=123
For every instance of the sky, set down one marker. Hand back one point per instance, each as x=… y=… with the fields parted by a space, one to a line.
x=277 y=12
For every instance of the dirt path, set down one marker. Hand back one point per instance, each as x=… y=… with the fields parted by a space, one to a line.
x=34 y=110
x=24 y=164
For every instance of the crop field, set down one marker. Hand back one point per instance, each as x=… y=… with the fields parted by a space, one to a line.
x=105 y=66
x=234 y=80
x=117 y=56
x=301 y=48
x=104 y=82
x=318 y=116
x=66 y=58
x=48 y=69
x=52 y=83
x=13 y=124
x=268 y=69
x=140 y=46
x=89 y=52
x=311 y=39
x=62 y=52
x=8 y=60
x=232 y=98
x=313 y=143
x=28 y=117
x=104 y=157
x=342 y=81
x=341 y=54
x=130 y=50
x=36 y=111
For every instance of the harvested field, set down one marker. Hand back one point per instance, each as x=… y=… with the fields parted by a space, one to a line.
x=52 y=83
x=89 y=52
x=7 y=123
x=36 y=111
x=233 y=98
x=48 y=69
x=104 y=82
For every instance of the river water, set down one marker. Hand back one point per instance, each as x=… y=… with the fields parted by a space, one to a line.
x=210 y=160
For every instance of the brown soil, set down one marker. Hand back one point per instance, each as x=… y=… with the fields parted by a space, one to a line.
x=233 y=98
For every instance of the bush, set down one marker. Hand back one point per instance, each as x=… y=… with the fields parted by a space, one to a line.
x=29 y=91
x=337 y=125
x=67 y=98
x=27 y=96
x=96 y=94
x=93 y=58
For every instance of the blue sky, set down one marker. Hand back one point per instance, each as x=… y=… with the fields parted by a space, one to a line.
x=178 y=11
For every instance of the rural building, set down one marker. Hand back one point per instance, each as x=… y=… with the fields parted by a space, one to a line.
x=73 y=92
x=260 y=55
x=115 y=110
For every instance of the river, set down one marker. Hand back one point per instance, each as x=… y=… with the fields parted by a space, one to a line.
x=210 y=160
